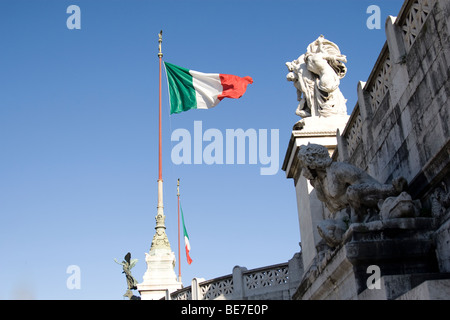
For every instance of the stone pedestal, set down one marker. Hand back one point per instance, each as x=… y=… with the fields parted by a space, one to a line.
x=311 y=210
x=401 y=249
x=160 y=278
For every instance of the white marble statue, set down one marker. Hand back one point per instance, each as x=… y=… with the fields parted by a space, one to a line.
x=316 y=76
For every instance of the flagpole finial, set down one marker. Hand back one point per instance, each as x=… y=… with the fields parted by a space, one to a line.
x=160 y=42
x=178 y=187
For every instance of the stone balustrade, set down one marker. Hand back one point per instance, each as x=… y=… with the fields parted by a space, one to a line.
x=274 y=282
x=413 y=18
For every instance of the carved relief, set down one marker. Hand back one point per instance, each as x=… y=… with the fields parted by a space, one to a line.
x=160 y=240
x=350 y=193
x=401 y=206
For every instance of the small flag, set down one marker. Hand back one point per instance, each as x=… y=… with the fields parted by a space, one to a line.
x=186 y=239
x=189 y=89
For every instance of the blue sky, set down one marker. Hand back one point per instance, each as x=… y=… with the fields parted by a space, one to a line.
x=79 y=133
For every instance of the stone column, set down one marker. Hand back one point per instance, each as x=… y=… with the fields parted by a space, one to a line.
x=310 y=209
x=399 y=78
x=238 y=283
x=195 y=289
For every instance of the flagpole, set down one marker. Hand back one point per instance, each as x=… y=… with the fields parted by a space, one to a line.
x=160 y=206
x=160 y=138
x=160 y=217
x=179 y=255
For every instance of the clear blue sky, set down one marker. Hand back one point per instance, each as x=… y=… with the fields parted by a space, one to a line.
x=79 y=133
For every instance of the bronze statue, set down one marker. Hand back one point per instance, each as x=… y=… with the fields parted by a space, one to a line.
x=127 y=265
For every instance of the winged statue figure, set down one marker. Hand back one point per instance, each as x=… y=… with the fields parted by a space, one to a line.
x=127 y=265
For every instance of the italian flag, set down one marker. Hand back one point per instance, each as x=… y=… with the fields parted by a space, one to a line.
x=189 y=89
x=186 y=239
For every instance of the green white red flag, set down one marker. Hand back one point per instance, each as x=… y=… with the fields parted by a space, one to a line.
x=186 y=239
x=189 y=89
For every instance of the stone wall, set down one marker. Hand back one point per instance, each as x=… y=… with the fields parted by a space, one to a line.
x=401 y=123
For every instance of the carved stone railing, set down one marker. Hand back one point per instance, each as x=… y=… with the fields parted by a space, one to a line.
x=266 y=277
x=378 y=84
x=217 y=288
x=412 y=19
x=182 y=294
x=261 y=281
x=352 y=133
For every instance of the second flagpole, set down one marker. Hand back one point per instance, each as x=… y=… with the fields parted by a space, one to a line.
x=179 y=254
